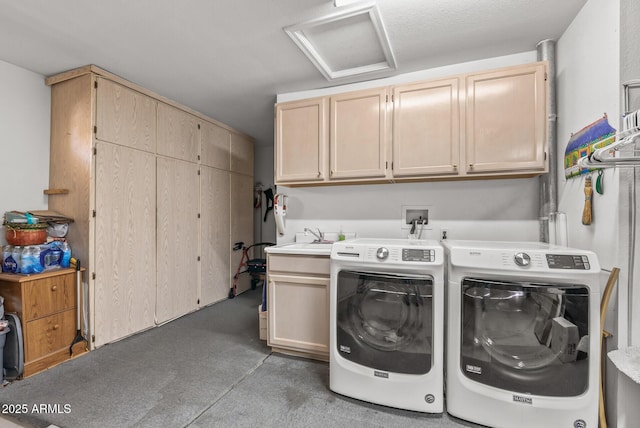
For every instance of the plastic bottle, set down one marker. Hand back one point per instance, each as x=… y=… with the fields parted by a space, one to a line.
x=16 y=255
x=341 y=235
x=66 y=255
x=7 y=260
x=27 y=260
x=37 y=263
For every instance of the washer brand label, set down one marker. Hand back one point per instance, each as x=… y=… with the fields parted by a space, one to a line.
x=385 y=375
x=475 y=253
x=474 y=369
x=579 y=423
x=345 y=349
x=523 y=400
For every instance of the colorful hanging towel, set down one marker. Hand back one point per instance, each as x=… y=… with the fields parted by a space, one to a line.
x=584 y=142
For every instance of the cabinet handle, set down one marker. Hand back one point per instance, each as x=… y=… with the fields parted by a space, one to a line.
x=331 y=173
x=319 y=174
x=455 y=166
x=56 y=326
x=54 y=288
x=470 y=166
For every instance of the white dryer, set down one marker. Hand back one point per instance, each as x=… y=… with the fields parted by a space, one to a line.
x=386 y=321
x=523 y=334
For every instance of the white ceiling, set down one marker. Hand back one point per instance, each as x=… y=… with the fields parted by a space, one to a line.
x=228 y=59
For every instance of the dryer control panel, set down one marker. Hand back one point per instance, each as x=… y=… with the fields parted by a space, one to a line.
x=568 y=261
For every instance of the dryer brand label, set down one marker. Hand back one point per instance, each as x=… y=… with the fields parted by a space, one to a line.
x=579 y=423
x=523 y=400
x=385 y=375
x=345 y=349
x=474 y=369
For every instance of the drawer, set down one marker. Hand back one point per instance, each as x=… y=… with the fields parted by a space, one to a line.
x=47 y=335
x=49 y=295
x=314 y=265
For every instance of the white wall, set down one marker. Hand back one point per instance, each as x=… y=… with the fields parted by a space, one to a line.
x=25 y=110
x=588 y=85
x=505 y=209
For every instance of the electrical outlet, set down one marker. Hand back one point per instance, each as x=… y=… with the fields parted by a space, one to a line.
x=444 y=233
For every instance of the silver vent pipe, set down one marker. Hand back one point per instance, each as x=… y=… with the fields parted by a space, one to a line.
x=549 y=182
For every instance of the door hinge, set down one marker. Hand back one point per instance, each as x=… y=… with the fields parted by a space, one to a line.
x=198 y=301
x=392 y=99
x=198 y=258
x=95 y=84
x=93 y=338
x=198 y=126
x=386 y=165
x=198 y=215
x=545 y=76
x=93 y=214
x=93 y=275
x=386 y=99
x=198 y=157
x=198 y=172
x=545 y=155
x=95 y=129
x=95 y=151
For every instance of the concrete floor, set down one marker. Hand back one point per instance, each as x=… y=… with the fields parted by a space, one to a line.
x=206 y=369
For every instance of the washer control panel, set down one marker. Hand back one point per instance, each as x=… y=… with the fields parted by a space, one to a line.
x=418 y=255
x=568 y=261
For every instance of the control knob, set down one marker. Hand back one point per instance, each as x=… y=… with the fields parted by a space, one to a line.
x=382 y=253
x=522 y=259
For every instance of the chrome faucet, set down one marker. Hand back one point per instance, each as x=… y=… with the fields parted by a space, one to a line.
x=319 y=236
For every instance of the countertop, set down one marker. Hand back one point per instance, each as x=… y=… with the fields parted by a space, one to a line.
x=303 y=248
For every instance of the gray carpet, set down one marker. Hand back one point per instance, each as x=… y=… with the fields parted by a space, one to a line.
x=206 y=369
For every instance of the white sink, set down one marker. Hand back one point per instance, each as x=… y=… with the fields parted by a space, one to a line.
x=319 y=248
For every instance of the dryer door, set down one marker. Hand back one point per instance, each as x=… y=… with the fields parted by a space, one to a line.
x=526 y=337
x=384 y=321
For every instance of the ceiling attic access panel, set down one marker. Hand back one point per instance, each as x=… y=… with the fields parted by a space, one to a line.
x=352 y=42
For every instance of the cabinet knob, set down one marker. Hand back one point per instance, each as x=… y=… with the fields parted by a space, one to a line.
x=455 y=166
x=54 y=287
x=470 y=166
x=319 y=174
x=56 y=326
x=331 y=172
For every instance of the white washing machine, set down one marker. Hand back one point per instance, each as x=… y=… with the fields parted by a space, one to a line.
x=386 y=320
x=523 y=334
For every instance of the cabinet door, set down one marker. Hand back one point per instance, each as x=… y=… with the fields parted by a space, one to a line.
x=215 y=145
x=358 y=134
x=506 y=120
x=299 y=313
x=125 y=237
x=125 y=117
x=240 y=223
x=302 y=140
x=178 y=133
x=426 y=128
x=215 y=235
x=177 y=228
x=241 y=154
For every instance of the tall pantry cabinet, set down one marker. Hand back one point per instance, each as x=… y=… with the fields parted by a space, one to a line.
x=159 y=194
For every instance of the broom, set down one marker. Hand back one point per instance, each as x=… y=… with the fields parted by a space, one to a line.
x=588 y=195
x=79 y=343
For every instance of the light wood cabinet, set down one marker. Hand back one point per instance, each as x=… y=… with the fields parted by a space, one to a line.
x=178 y=134
x=125 y=242
x=298 y=298
x=506 y=120
x=241 y=215
x=46 y=306
x=215 y=236
x=489 y=124
x=426 y=129
x=130 y=159
x=358 y=135
x=177 y=232
x=215 y=146
x=302 y=140
x=125 y=116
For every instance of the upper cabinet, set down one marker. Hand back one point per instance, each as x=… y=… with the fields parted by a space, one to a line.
x=178 y=133
x=426 y=128
x=506 y=120
x=301 y=140
x=488 y=124
x=215 y=146
x=358 y=134
x=241 y=153
x=124 y=116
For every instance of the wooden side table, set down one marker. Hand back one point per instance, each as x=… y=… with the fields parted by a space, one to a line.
x=46 y=306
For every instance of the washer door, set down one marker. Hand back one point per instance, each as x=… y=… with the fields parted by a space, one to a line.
x=384 y=321
x=526 y=337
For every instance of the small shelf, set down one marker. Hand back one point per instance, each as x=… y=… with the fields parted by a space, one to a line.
x=56 y=191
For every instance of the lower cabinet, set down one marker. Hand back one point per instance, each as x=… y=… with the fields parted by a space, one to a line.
x=298 y=299
x=46 y=306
